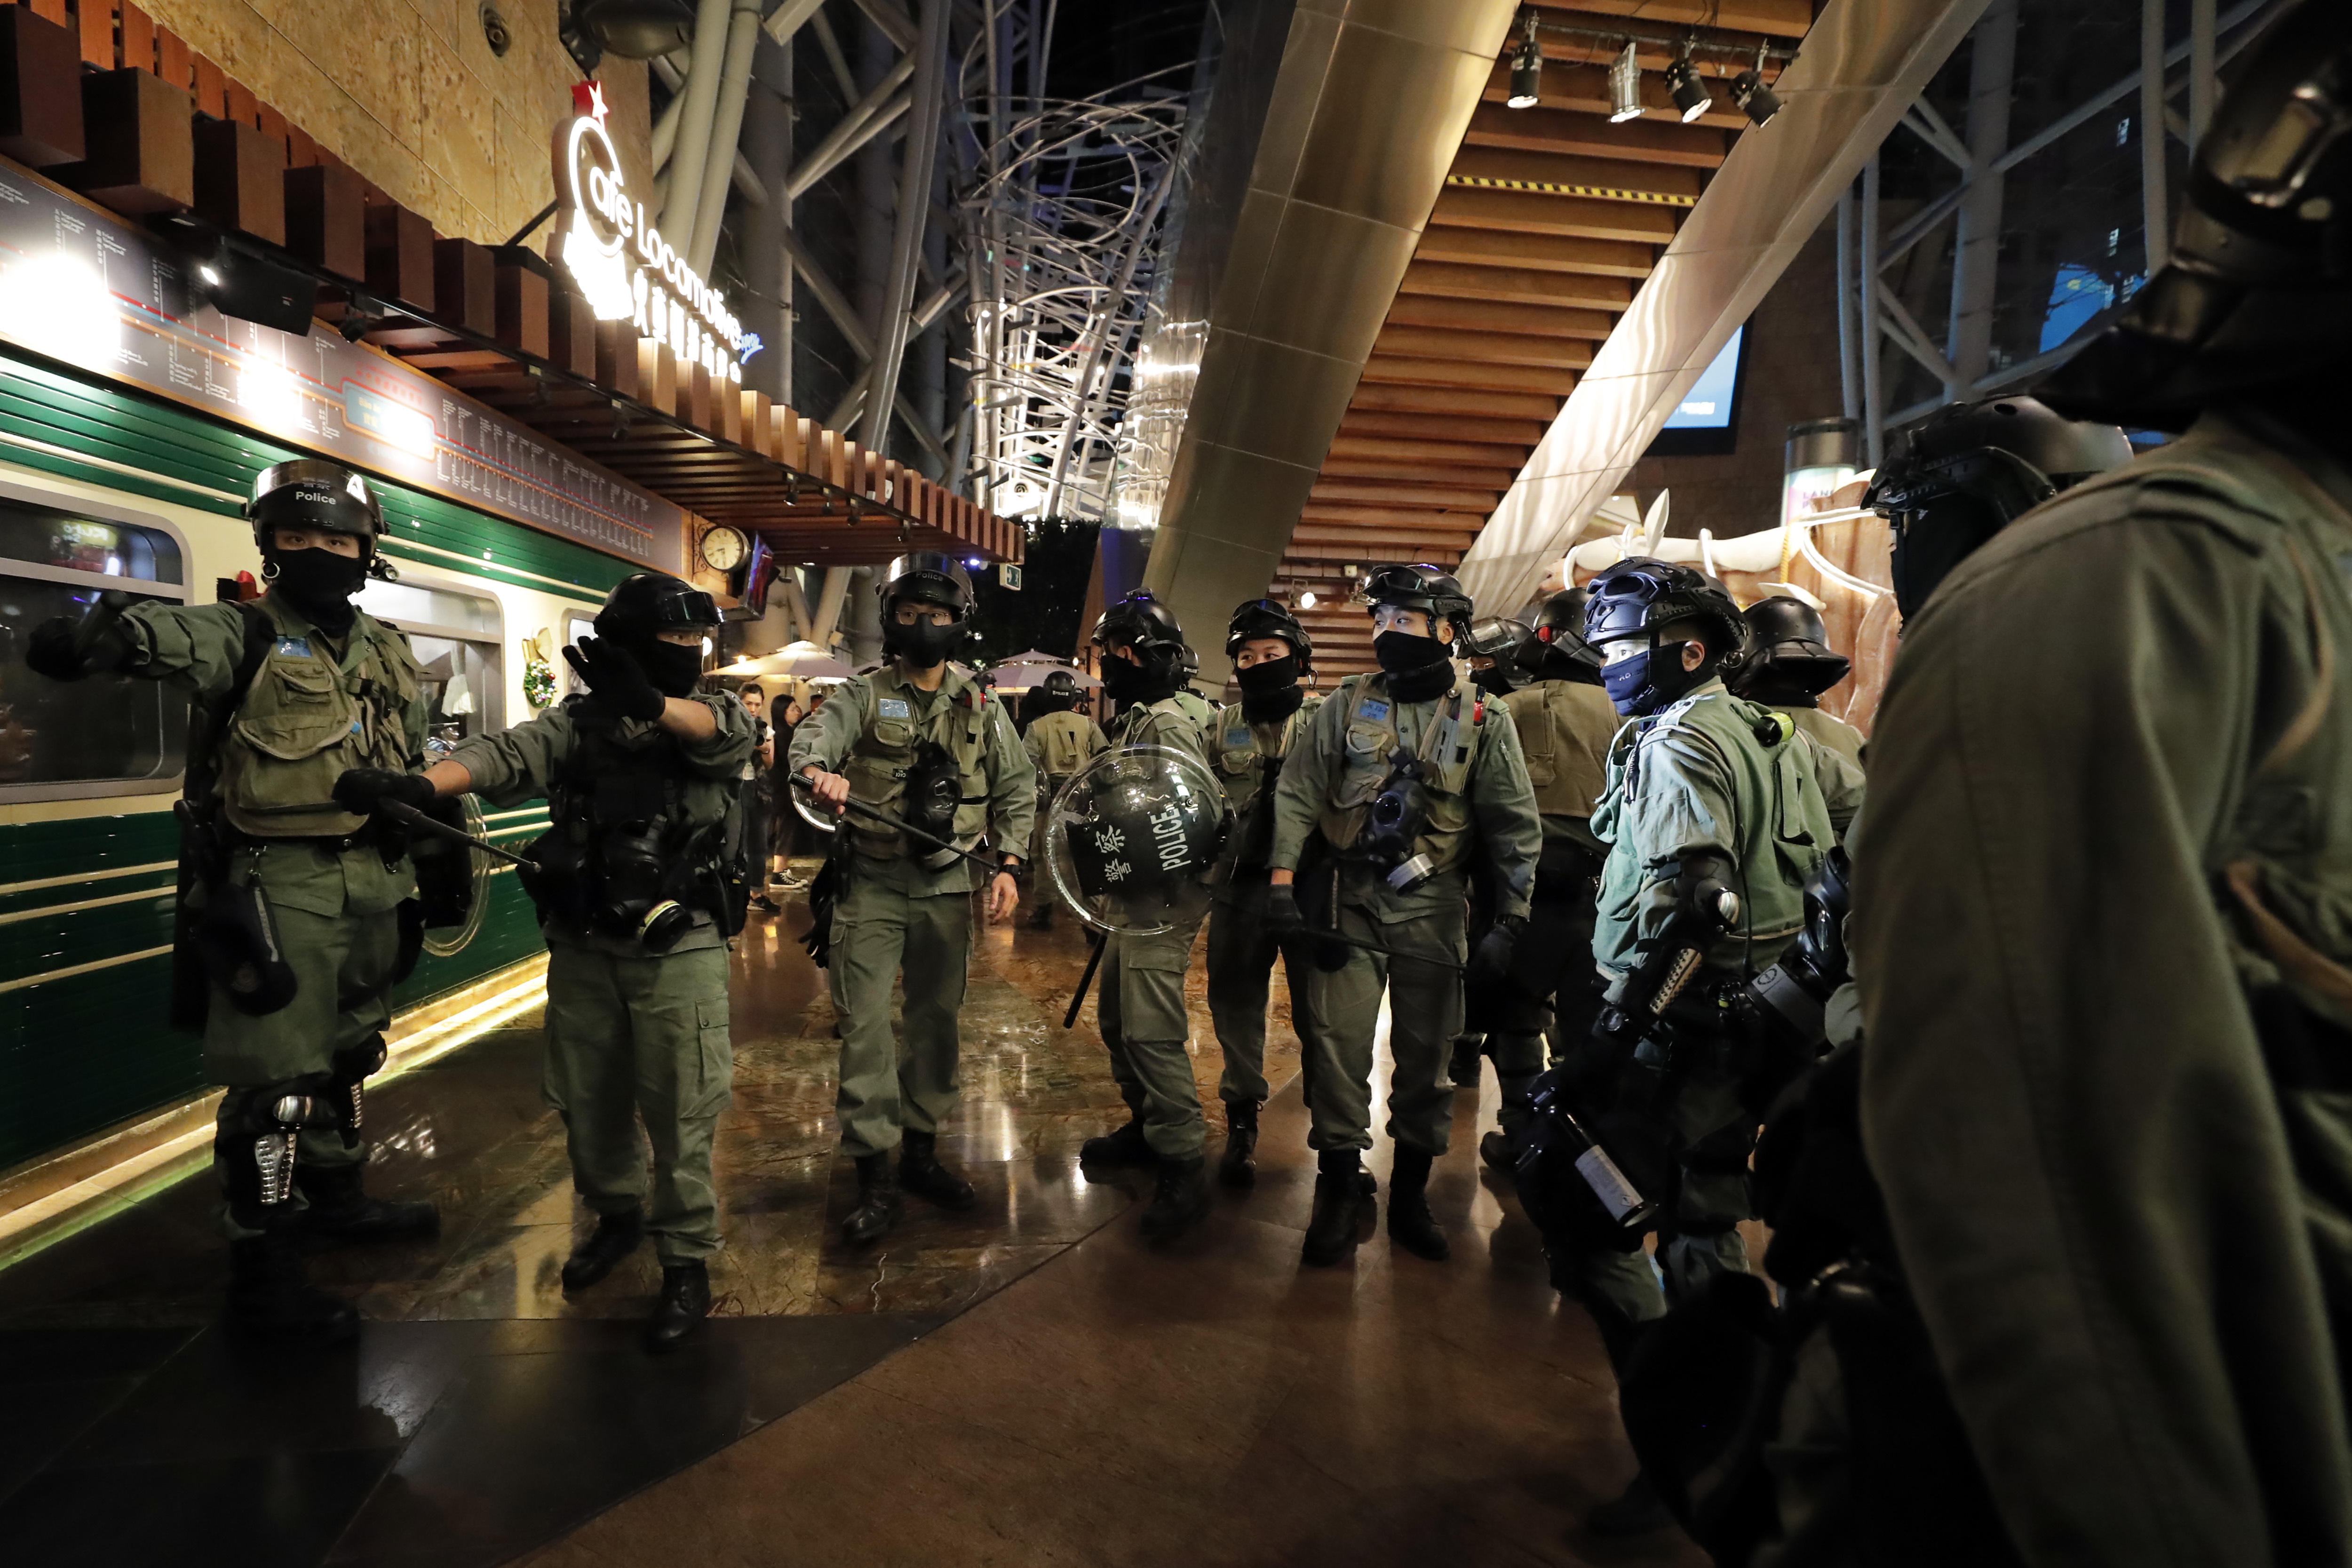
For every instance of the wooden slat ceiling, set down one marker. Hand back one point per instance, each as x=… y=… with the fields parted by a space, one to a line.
x=1550 y=218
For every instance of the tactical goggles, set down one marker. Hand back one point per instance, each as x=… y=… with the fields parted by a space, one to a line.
x=1397 y=586
x=686 y=609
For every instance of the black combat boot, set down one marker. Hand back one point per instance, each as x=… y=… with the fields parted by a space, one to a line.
x=1500 y=1152
x=1463 y=1068
x=1411 y=1224
x=1119 y=1146
x=879 y=1202
x=1342 y=1197
x=270 y=1296
x=1041 y=918
x=340 y=1214
x=920 y=1173
x=685 y=1304
x=1637 y=1512
x=1178 y=1203
x=1238 y=1168
x=615 y=1237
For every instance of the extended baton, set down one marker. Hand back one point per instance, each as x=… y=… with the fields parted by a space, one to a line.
x=908 y=828
x=1094 y=962
x=409 y=817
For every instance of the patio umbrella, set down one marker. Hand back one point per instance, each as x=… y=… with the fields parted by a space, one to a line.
x=1026 y=672
x=795 y=661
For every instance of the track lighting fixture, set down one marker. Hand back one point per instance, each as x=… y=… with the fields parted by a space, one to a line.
x=1526 y=67
x=1756 y=100
x=1689 y=94
x=1625 y=86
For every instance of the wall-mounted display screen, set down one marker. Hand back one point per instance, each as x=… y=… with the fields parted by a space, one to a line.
x=1706 y=421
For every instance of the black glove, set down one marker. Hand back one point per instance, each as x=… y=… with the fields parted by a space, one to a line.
x=618 y=683
x=66 y=649
x=50 y=650
x=1283 y=915
x=1491 y=964
x=363 y=791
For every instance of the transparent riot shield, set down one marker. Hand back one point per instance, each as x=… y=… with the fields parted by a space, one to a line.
x=1132 y=837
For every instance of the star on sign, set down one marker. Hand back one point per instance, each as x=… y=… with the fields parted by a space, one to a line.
x=588 y=98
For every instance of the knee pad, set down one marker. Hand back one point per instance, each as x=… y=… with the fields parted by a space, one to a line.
x=256 y=1149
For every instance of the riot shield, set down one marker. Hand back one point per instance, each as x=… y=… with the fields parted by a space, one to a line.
x=1131 y=839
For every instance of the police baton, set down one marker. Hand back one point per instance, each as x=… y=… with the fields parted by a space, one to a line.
x=409 y=817
x=1094 y=962
x=909 y=829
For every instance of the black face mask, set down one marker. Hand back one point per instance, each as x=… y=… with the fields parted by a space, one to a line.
x=1129 y=682
x=1495 y=681
x=675 y=670
x=1270 y=689
x=319 y=583
x=1417 y=667
x=922 y=645
x=1932 y=541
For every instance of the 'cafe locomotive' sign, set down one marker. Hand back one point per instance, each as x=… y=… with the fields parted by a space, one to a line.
x=622 y=264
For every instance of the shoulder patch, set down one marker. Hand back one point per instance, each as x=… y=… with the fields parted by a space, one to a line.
x=293 y=647
x=894 y=707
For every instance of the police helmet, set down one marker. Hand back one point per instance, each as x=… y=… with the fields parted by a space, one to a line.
x=1788 y=649
x=1498 y=637
x=645 y=604
x=927 y=577
x=1641 y=596
x=1060 y=684
x=2258 y=291
x=1257 y=619
x=1432 y=590
x=1968 y=470
x=1559 y=629
x=310 y=492
x=1144 y=624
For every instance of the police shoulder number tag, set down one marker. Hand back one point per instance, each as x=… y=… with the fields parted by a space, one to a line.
x=895 y=708
x=1236 y=739
x=1372 y=708
x=294 y=647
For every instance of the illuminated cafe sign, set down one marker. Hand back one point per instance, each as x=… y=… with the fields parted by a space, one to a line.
x=622 y=266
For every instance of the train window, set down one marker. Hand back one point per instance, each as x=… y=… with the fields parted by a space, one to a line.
x=106 y=735
x=457 y=638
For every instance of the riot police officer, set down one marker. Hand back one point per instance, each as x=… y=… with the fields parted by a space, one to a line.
x=1491 y=650
x=1060 y=742
x=637 y=894
x=1403 y=778
x=1789 y=664
x=2104 y=934
x=1140 y=1008
x=919 y=740
x=300 y=911
x=1272 y=658
x=1565 y=722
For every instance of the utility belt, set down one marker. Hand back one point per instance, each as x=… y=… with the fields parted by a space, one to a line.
x=631 y=883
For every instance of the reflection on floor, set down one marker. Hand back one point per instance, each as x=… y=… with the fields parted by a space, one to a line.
x=1213 y=1402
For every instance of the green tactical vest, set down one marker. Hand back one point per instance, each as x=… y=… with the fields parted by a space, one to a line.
x=1061 y=742
x=308 y=716
x=1239 y=753
x=884 y=750
x=1565 y=728
x=1450 y=748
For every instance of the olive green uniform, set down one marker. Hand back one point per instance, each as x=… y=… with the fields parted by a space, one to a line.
x=1478 y=799
x=1248 y=759
x=1709 y=773
x=1059 y=745
x=894 y=912
x=2107 y=1080
x=633 y=1035
x=316 y=705
x=1829 y=730
x=1565 y=728
x=1139 y=1007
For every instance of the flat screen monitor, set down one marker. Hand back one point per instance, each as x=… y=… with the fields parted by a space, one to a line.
x=1706 y=423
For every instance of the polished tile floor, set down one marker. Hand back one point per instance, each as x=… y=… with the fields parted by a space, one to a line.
x=1058 y=1392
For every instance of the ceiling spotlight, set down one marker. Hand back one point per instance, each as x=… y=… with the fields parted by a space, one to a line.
x=1624 y=86
x=210 y=274
x=1758 y=102
x=1526 y=67
x=1690 y=94
x=1307 y=600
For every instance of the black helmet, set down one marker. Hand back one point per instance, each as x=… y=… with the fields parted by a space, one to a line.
x=1968 y=470
x=1789 y=652
x=1060 y=683
x=2258 y=289
x=645 y=604
x=310 y=492
x=1145 y=623
x=1644 y=595
x=1497 y=639
x=1433 y=591
x=927 y=577
x=1255 y=619
x=1559 y=633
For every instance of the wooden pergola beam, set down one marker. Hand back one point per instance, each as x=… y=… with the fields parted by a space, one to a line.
x=1485 y=247
x=1496 y=316
x=1486 y=348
